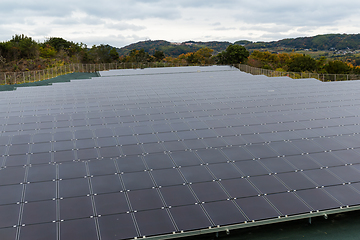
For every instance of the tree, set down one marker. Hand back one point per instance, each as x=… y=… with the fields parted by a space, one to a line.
x=236 y=54
x=220 y=58
x=47 y=51
x=233 y=54
x=159 y=55
x=58 y=43
x=337 y=67
x=114 y=55
x=301 y=63
x=138 y=56
x=204 y=55
x=21 y=46
x=320 y=65
x=100 y=54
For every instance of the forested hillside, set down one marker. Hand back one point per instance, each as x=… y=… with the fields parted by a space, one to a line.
x=173 y=49
x=319 y=42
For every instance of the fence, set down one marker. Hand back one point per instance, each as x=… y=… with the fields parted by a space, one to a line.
x=39 y=75
x=297 y=75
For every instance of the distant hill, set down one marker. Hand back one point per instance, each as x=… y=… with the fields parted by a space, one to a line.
x=319 y=42
x=172 y=49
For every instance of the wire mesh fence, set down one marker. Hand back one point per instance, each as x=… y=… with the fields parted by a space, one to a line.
x=9 y=78
x=297 y=75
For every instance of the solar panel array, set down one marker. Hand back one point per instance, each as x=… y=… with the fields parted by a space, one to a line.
x=163 y=151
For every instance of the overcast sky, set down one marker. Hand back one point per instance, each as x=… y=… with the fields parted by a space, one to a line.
x=123 y=22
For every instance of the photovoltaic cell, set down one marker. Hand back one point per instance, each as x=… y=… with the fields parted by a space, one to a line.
x=237 y=154
x=302 y=162
x=288 y=203
x=322 y=177
x=38 y=231
x=268 y=184
x=261 y=151
x=40 y=191
x=38 y=173
x=163 y=223
x=167 y=177
x=192 y=147
x=102 y=167
x=119 y=226
x=9 y=215
x=145 y=199
x=346 y=173
x=106 y=184
x=190 y=217
x=239 y=188
x=15 y=160
x=256 y=208
x=39 y=212
x=344 y=194
x=72 y=170
x=10 y=194
x=224 y=213
x=196 y=174
x=130 y=164
x=224 y=171
x=277 y=165
x=317 y=199
x=111 y=203
x=251 y=168
x=137 y=180
x=73 y=208
x=296 y=180
x=81 y=228
x=209 y=191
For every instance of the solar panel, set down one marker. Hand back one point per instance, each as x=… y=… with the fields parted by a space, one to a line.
x=199 y=149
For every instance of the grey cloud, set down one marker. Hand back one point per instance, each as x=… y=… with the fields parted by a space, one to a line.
x=267 y=28
x=74 y=20
x=105 y=9
x=133 y=10
x=320 y=13
x=209 y=3
x=224 y=28
x=124 y=26
x=113 y=40
x=273 y=19
x=216 y=24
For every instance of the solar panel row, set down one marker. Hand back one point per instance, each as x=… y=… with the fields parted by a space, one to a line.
x=192 y=148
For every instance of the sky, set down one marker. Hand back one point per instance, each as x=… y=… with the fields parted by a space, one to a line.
x=122 y=22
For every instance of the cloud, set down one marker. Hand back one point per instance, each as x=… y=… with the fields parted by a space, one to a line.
x=224 y=28
x=298 y=13
x=125 y=21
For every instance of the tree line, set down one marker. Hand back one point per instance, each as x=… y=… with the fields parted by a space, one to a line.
x=232 y=55
x=295 y=62
x=22 y=53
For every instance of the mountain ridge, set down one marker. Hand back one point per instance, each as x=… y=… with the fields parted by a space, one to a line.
x=318 y=42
